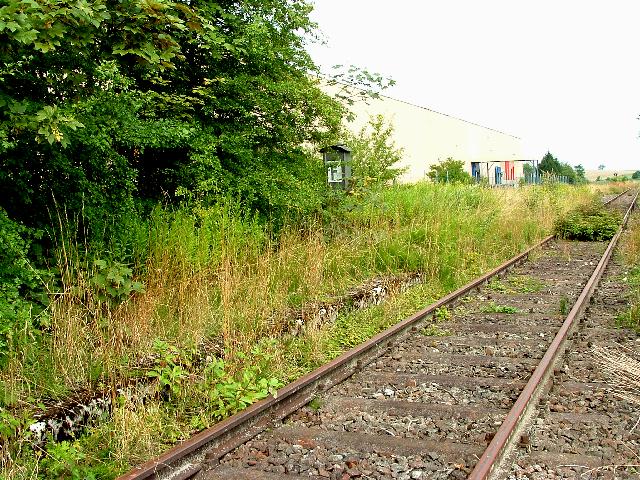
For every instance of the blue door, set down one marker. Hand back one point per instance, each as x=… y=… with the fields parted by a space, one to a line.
x=475 y=171
x=498 y=175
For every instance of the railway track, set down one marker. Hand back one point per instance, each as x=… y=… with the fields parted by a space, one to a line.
x=470 y=387
x=580 y=429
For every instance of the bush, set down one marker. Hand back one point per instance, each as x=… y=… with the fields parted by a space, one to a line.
x=591 y=222
x=374 y=154
x=21 y=284
x=449 y=171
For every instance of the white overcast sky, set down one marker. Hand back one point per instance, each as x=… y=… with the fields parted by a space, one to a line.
x=563 y=75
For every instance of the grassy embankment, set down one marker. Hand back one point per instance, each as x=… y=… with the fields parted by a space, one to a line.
x=213 y=278
x=630 y=252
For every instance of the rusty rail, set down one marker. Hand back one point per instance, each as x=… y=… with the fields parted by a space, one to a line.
x=507 y=433
x=611 y=200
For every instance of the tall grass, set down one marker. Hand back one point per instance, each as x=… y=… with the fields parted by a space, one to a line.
x=217 y=276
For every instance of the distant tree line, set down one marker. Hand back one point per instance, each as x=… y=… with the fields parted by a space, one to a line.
x=452 y=171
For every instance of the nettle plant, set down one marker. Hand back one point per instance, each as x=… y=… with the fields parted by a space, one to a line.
x=170 y=368
x=228 y=393
x=113 y=281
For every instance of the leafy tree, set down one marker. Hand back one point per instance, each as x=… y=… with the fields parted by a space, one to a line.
x=528 y=169
x=105 y=104
x=601 y=167
x=636 y=175
x=580 y=174
x=374 y=153
x=568 y=173
x=551 y=166
x=354 y=84
x=449 y=170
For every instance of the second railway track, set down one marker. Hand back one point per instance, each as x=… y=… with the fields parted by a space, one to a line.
x=409 y=404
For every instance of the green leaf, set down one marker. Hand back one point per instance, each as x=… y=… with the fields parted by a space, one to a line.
x=11 y=26
x=26 y=36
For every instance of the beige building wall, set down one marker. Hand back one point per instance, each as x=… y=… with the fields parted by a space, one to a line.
x=428 y=137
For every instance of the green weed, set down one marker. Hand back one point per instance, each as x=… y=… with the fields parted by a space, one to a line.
x=631 y=317
x=434 y=330
x=630 y=250
x=564 y=306
x=443 y=314
x=591 y=222
x=526 y=284
x=228 y=394
x=315 y=404
x=498 y=286
x=170 y=368
x=69 y=460
x=10 y=426
x=113 y=281
x=516 y=284
x=357 y=326
x=23 y=288
x=495 y=308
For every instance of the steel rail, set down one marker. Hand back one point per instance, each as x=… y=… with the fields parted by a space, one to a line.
x=611 y=200
x=185 y=460
x=181 y=462
x=506 y=435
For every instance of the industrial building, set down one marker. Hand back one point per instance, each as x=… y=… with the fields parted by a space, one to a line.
x=428 y=137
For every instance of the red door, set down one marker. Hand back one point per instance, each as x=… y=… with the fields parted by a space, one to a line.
x=509 y=171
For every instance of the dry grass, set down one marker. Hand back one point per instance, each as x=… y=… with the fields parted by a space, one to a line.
x=137 y=425
x=623 y=367
x=611 y=187
x=631 y=243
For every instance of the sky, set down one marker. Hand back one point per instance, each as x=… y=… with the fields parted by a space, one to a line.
x=562 y=75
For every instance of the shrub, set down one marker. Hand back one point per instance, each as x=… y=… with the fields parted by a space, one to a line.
x=21 y=284
x=375 y=155
x=591 y=222
x=449 y=171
